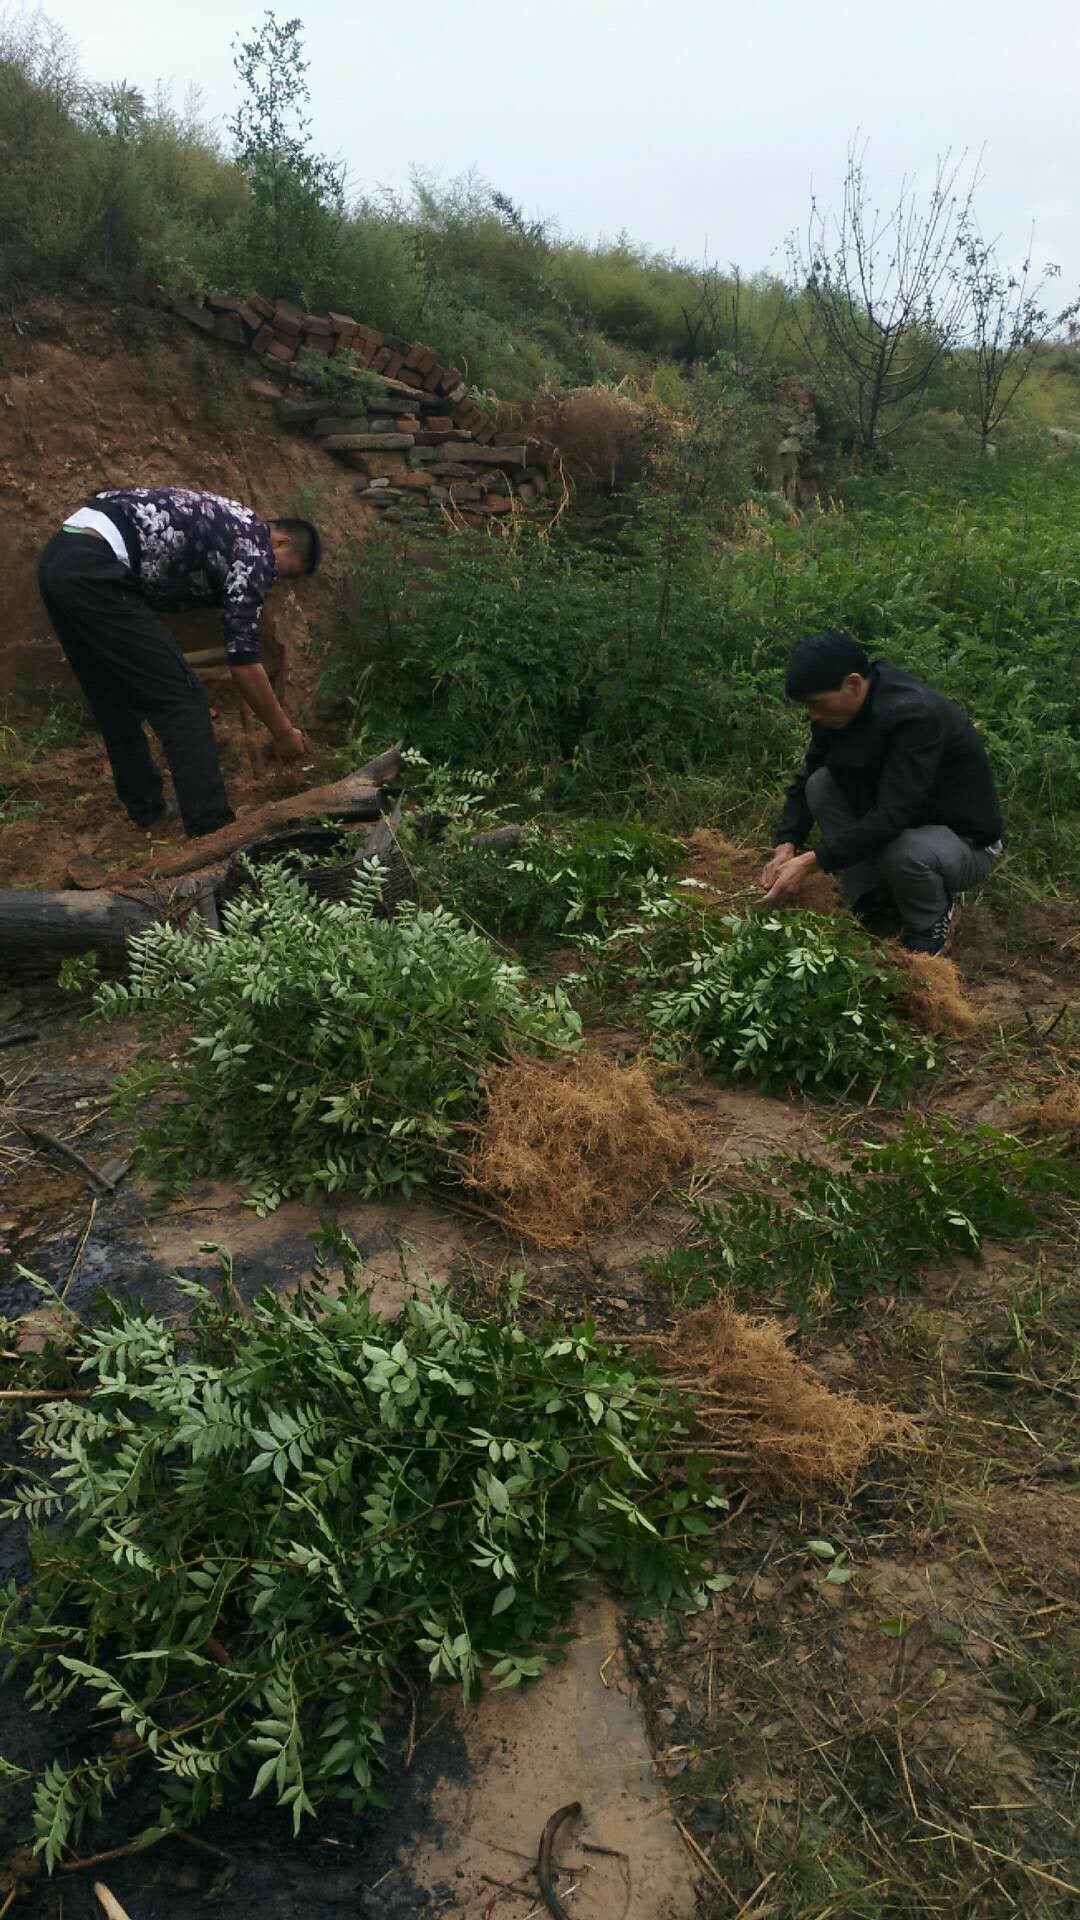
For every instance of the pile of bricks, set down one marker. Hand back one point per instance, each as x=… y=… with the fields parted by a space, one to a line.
x=419 y=437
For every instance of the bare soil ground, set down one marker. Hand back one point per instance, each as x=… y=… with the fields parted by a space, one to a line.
x=903 y=1743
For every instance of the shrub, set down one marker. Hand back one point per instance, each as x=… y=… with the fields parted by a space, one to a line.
x=559 y=877
x=589 y=664
x=251 y=1520
x=323 y=1048
x=796 y=999
x=830 y=1238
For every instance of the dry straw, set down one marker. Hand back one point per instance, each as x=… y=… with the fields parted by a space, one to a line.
x=571 y=1149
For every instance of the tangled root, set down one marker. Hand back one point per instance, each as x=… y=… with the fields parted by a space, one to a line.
x=733 y=874
x=570 y=1149
x=782 y=1424
x=935 y=1000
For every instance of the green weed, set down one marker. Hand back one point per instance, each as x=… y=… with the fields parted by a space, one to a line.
x=827 y=1239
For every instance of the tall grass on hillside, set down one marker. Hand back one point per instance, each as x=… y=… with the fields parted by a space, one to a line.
x=662 y=657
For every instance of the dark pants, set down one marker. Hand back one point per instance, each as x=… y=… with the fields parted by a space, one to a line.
x=921 y=870
x=131 y=670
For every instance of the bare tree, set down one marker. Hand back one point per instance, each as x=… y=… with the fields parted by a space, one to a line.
x=877 y=299
x=1009 y=321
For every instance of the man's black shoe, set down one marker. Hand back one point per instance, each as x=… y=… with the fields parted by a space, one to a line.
x=933 y=939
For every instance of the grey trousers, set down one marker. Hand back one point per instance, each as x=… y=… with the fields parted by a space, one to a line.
x=922 y=869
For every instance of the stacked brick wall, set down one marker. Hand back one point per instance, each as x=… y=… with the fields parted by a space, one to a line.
x=415 y=432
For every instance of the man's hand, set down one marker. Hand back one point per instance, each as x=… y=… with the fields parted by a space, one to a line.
x=290 y=744
x=781 y=856
x=788 y=880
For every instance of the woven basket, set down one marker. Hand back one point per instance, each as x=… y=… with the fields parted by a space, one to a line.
x=334 y=881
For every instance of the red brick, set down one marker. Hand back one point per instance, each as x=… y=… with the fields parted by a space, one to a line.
x=379 y=363
x=451 y=378
x=288 y=320
x=438 y=423
x=497 y=503
x=282 y=351
x=419 y=482
x=263 y=340
x=485 y=433
x=393 y=366
x=414 y=356
x=343 y=322
x=224 y=302
x=251 y=319
x=406 y=423
x=317 y=325
x=229 y=326
x=432 y=379
x=410 y=378
x=263 y=390
x=264 y=308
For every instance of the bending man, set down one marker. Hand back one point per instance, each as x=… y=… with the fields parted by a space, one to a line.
x=135 y=551
x=900 y=786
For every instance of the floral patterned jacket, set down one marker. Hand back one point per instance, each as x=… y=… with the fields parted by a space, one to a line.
x=194 y=549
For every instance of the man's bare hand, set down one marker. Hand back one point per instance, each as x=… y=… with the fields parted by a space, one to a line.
x=771 y=874
x=290 y=744
x=792 y=873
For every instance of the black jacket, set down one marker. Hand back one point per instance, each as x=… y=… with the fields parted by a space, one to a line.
x=910 y=758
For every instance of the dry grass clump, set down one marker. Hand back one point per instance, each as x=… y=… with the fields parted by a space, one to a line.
x=573 y=1148
x=603 y=438
x=935 y=1000
x=1059 y=1113
x=757 y=1397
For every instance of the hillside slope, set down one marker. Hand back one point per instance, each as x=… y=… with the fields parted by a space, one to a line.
x=94 y=396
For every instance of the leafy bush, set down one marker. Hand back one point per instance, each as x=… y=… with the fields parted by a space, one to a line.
x=792 y=999
x=831 y=1238
x=557 y=880
x=344 y=379
x=590 y=664
x=322 y=1048
x=253 y=1519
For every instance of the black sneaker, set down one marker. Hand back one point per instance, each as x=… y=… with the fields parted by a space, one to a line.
x=933 y=939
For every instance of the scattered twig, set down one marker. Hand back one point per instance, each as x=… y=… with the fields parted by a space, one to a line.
x=543 y=1859
x=76 y=1263
x=42 y=1139
x=109 y=1903
x=46 y=1393
x=754 y=1897
x=8 y=1903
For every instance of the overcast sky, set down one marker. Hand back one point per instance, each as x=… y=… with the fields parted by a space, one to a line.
x=694 y=124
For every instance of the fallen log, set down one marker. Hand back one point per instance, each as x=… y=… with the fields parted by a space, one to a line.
x=36 y=928
x=354 y=798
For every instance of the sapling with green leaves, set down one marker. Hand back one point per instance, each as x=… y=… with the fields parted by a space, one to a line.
x=313 y=1047
x=252 y=1520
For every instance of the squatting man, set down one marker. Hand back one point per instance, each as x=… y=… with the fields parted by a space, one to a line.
x=899 y=785
x=115 y=564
